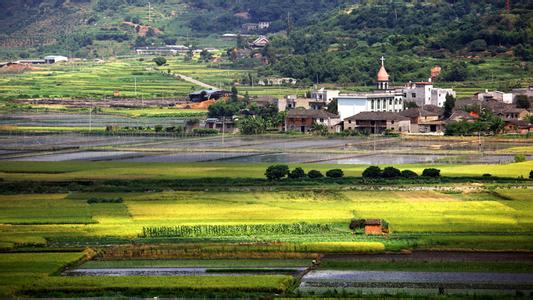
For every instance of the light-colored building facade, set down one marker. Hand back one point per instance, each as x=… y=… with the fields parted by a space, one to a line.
x=495 y=95
x=377 y=123
x=424 y=93
x=325 y=95
x=383 y=99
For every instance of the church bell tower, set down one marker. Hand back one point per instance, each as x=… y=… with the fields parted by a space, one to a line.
x=383 y=77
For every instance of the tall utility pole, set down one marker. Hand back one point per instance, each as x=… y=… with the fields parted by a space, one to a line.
x=135 y=86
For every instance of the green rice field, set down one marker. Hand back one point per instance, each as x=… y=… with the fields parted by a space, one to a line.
x=77 y=170
x=37 y=218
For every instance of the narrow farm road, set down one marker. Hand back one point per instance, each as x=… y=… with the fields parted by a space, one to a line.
x=194 y=81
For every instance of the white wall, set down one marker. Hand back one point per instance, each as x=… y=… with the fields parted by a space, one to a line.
x=348 y=107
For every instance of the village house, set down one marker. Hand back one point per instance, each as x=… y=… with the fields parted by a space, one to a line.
x=204 y=95
x=302 y=120
x=255 y=26
x=424 y=93
x=324 y=95
x=424 y=121
x=495 y=95
x=461 y=115
x=277 y=81
x=509 y=112
x=383 y=99
x=374 y=227
x=163 y=51
x=377 y=123
x=260 y=42
x=226 y=125
x=528 y=92
x=292 y=102
x=263 y=101
x=518 y=126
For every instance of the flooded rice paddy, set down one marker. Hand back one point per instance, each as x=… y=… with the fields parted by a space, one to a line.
x=237 y=149
x=21 y=146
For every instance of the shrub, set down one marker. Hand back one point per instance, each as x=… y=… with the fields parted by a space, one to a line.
x=335 y=173
x=431 y=172
x=158 y=128
x=487 y=175
x=297 y=173
x=531 y=174
x=160 y=61
x=391 y=172
x=357 y=224
x=372 y=172
x=276 y=172
x=409 y=174
x=315 y=174
x=519 y=158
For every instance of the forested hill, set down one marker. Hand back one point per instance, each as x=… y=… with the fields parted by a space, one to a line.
x=336 y=40
x=349 y=40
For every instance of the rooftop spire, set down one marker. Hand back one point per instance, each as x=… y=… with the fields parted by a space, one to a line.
x=382 y=74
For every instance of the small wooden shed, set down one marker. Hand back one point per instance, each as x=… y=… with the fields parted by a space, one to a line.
x=374 y=226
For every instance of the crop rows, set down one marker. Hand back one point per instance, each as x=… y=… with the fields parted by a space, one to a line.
x=234 y=230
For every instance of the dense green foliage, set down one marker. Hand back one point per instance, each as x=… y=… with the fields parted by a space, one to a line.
x=372 y=172
x=313 y=174
x=276 y=172
x=335 y=173
x=297 y=173
x=235 y=230
x=404 y=32
x=486 y=124
x=431 y=172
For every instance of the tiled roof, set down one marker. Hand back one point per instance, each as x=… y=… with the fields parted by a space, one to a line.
x=418 y=112
x=310 y=113
x=378 y=116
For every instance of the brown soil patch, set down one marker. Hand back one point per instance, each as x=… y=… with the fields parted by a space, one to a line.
x=142 y=30
x=17 y=68
x=201 y=105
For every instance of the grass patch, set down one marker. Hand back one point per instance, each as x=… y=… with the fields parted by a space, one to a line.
x=426 y=266
x=182 y=263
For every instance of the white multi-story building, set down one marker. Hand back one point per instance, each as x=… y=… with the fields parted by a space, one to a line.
x=324 y=95
x=383 y=99
x=424 y=93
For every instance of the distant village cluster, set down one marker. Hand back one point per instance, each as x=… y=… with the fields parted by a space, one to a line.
x=415 y=108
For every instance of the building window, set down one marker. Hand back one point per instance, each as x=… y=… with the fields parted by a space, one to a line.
x=372 y=104
x=321 y=120
x=414 y=95
x=390 y=101
x=349 y=121
x=303 y=120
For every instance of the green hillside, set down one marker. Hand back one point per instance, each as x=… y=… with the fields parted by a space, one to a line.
x=478 y=43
